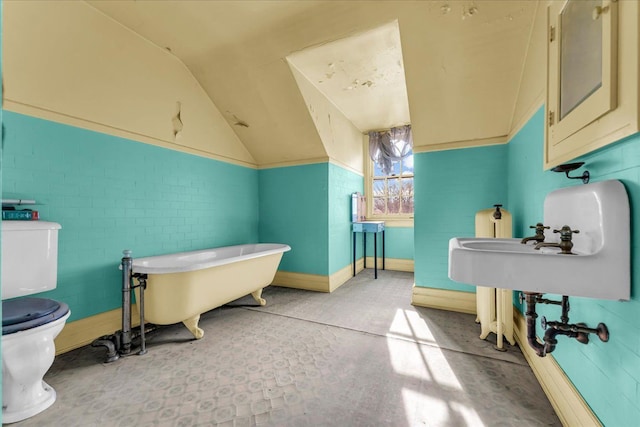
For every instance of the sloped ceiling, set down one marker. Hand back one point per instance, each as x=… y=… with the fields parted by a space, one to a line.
x=363 y=75
x=463 y=61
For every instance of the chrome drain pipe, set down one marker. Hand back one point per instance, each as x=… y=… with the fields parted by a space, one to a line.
x=579 y=331
x=110 y=342
x=142 y=284
x=127 y=268
x=120 y=343
x=531 y=315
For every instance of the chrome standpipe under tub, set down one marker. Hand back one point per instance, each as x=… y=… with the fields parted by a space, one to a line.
x=120 y=343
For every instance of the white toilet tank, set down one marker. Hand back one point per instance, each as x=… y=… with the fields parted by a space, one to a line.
x=29 y=257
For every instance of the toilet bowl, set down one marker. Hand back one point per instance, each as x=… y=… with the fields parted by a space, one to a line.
x=29 y=325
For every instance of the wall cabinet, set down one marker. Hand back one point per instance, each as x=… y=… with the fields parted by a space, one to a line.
x=592 y=76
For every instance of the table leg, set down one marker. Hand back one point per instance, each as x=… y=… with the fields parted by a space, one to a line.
x=383 y=249
x=354 y=254
x=375 y=255
x=364 y=248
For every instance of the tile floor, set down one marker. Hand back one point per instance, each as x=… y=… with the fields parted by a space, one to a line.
x=360 y=356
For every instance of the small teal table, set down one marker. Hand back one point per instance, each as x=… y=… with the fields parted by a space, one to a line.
x=365 y=227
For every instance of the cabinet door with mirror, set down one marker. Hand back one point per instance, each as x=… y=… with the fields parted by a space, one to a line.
x=583 y=76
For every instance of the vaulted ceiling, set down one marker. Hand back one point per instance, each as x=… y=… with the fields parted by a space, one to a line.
x=363 y=75
x=462 y=62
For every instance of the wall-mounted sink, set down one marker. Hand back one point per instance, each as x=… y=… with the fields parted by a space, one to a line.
x=599 y=268
x=499 y=245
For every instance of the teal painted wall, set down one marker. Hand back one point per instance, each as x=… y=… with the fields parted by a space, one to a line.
x=111 y=194
x=399 y=243
x=309 y=208
x=342 y=183
x=450 y=187
x=528 y=184
x=294 y=202
x=606 y=374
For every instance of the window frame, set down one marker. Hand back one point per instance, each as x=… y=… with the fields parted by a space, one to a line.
x=398 y=220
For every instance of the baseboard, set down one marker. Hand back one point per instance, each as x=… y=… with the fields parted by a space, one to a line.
x=564 y=397
x=443 y=299
x=341 y=276
x=395 y=264
x=320 y=283
x=309 y=282
x=82 y=332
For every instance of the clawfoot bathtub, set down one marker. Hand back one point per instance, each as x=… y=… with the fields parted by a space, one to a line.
x=182 y=286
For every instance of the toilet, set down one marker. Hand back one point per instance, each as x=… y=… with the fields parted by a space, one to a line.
x=29 y=324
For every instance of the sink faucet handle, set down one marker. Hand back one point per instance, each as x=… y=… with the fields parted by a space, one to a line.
x=540 y=228
x=539 y=237
x=566 y=232
x=565 y=239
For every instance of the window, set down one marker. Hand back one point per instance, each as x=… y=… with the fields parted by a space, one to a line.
x=390 y=177
x=393 y=194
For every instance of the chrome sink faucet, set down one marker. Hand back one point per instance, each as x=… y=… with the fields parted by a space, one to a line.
x=565 y=244
x=539 y=237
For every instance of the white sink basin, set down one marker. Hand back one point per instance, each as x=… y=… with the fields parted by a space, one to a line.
x=500 y=245
x=599 y=268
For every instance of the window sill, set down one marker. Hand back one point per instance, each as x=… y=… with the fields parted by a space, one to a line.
x=390 y=222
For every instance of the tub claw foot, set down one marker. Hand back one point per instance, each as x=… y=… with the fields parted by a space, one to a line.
x=257 y=295
x=192 y=325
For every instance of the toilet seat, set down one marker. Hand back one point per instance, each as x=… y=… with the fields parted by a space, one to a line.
x=27 y=313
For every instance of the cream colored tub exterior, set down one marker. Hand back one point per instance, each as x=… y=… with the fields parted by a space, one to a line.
x=182 y=286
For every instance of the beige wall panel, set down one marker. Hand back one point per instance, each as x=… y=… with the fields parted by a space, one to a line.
x=463 y=88
x=340 y=137
x=462 y=72
x=532 y=85
x=265 y=97
x=68 y=58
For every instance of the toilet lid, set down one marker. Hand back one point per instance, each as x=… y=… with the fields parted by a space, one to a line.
x=26 y=313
